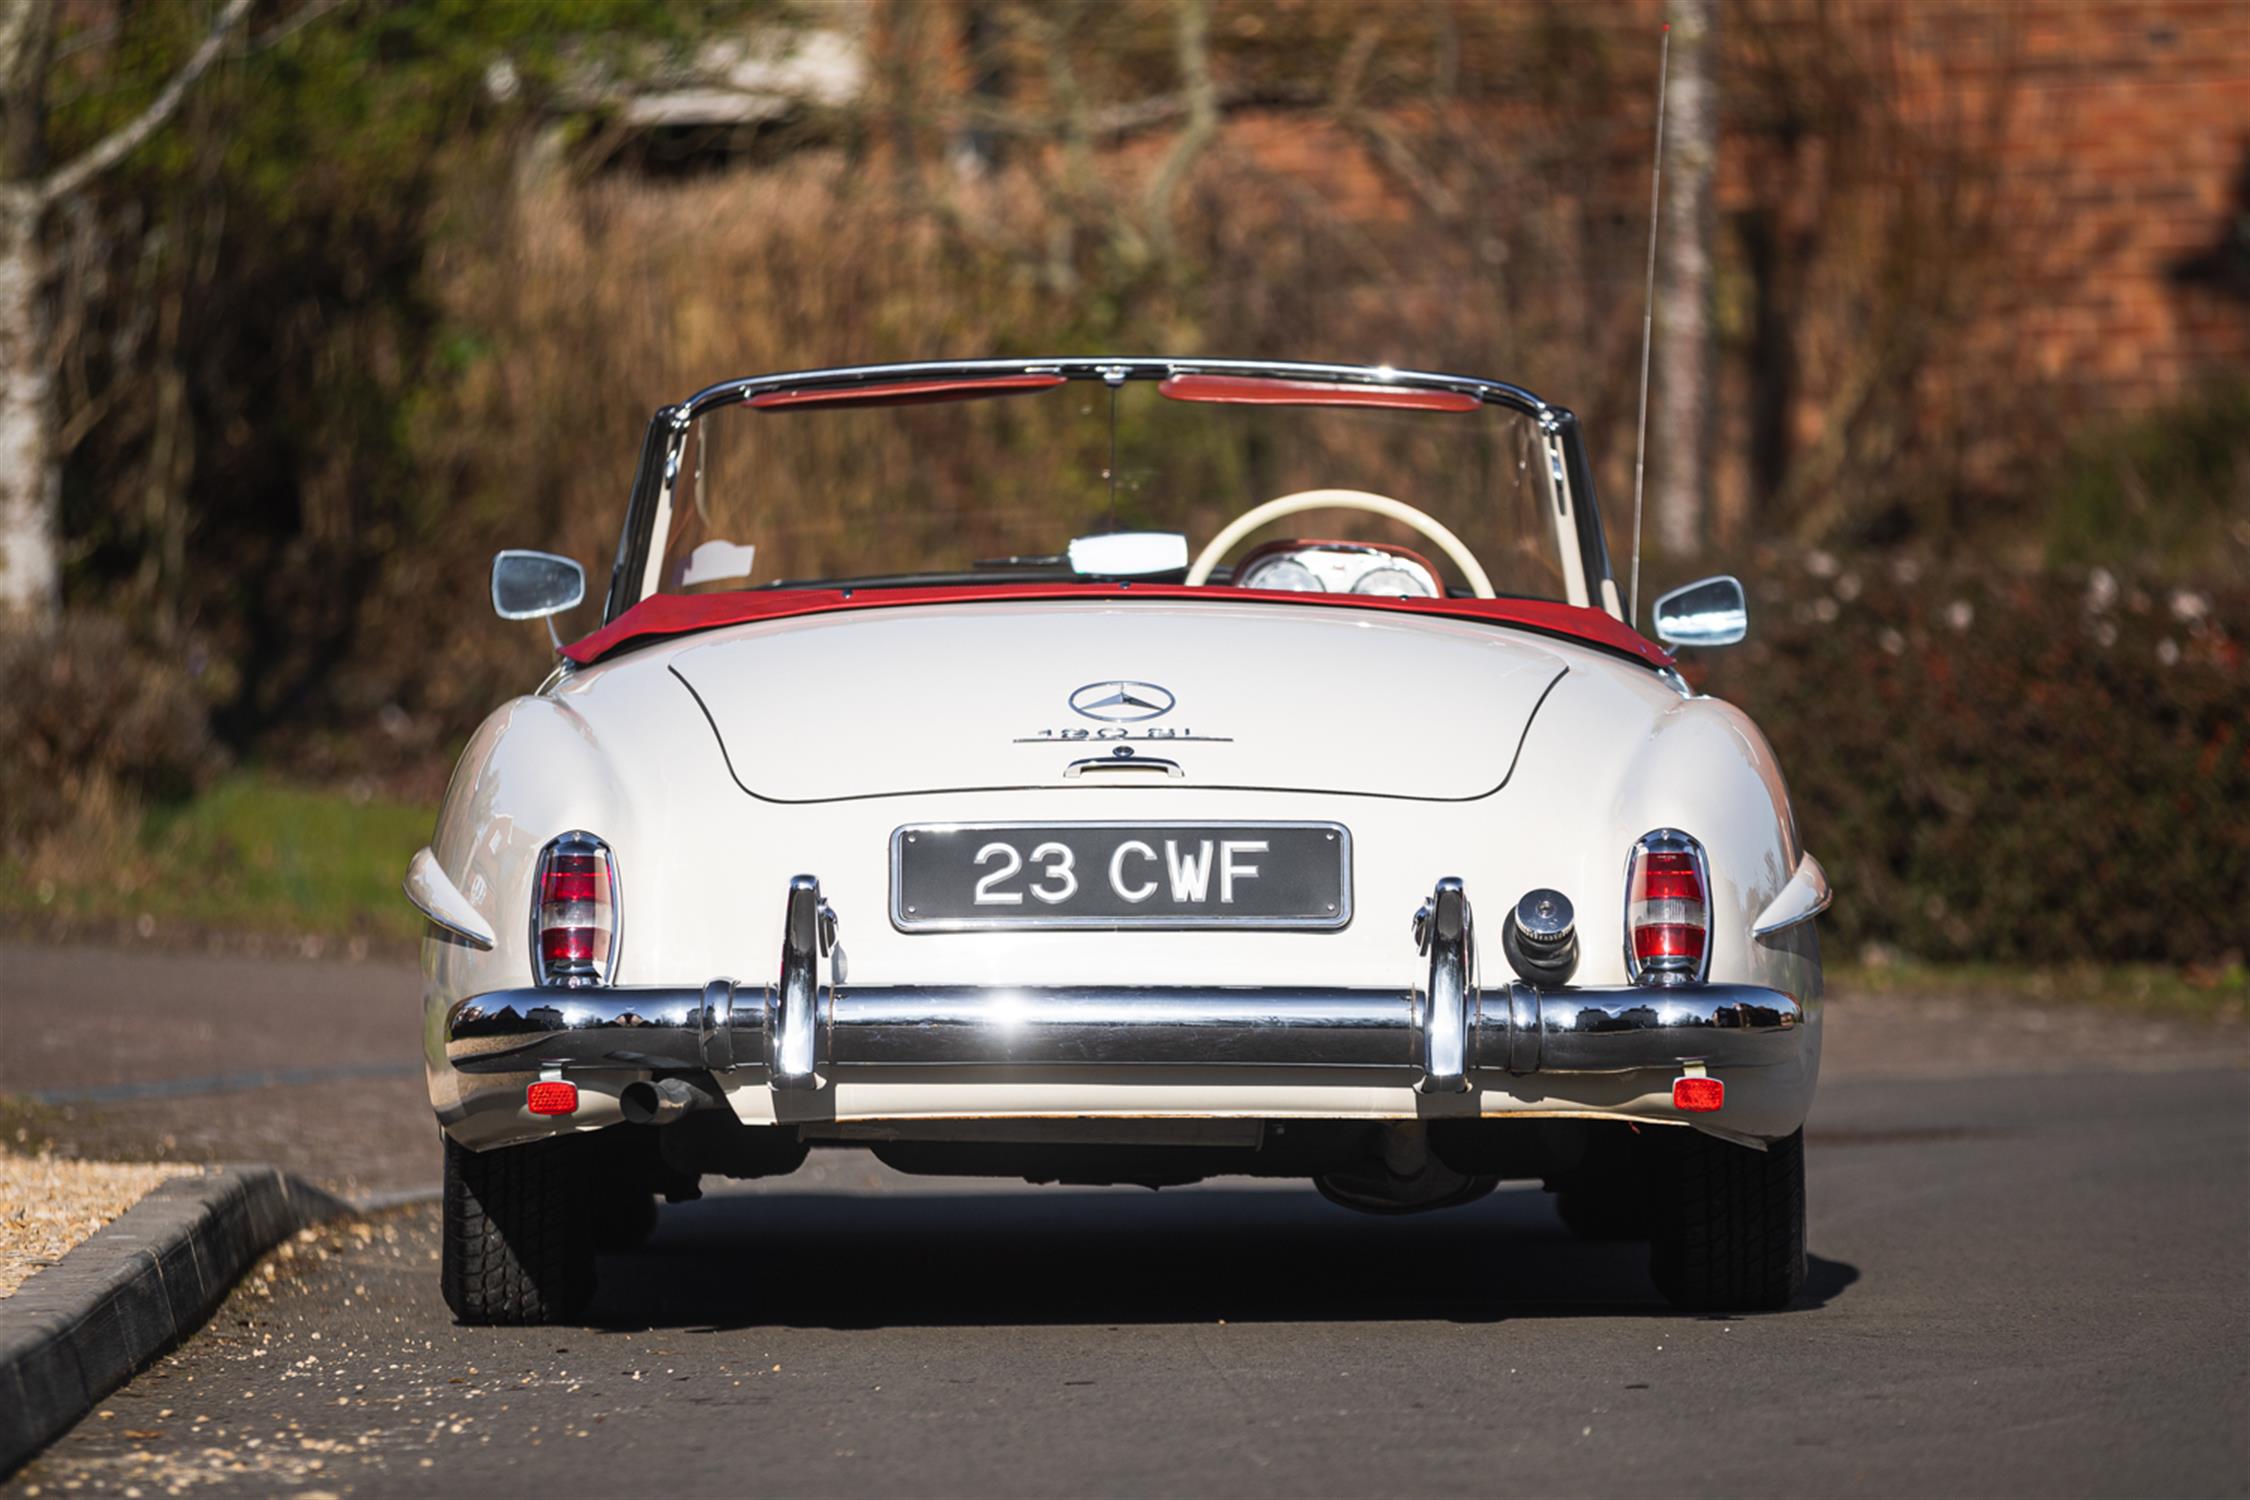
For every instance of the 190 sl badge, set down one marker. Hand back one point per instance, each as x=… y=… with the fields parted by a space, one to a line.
x=1118 y=703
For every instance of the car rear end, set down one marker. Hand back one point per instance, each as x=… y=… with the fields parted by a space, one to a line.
x=1283 y=900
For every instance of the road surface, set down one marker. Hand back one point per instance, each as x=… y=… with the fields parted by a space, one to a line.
x=2030 y=1274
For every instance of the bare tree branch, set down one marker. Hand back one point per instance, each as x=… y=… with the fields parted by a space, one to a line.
x=1116 y=121
x=1202 y=122
x=282 y=31
x=1384 y=138
x=115 y=146
x=1081 y=184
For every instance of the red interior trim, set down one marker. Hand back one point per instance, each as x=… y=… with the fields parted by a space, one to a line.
x=662 y=615
x=1260 y=390
x=906 y=392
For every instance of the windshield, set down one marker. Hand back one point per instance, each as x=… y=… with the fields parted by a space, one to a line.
x=989 y=479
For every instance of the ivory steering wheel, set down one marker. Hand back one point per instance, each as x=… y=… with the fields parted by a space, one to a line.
x=1379 y=505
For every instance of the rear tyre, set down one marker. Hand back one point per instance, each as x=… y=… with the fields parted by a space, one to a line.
x=519 y=1245
x=1729 y=1228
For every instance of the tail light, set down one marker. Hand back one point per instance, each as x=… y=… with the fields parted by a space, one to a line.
x=574 y=913
x=1667 y=910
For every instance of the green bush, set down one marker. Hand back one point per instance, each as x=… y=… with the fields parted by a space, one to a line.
x=2035 y=769
x=2171 y=485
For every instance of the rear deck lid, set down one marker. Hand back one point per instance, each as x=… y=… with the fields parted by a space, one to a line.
x=884 y=702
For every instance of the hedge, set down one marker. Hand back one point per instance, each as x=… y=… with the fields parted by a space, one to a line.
x=2027 y=768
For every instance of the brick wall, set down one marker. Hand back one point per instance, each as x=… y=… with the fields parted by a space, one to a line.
x=1951 y=232
x=2072 y=179
x=2123 y=184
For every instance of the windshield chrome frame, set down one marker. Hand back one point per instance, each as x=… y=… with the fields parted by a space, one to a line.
x=664 y=449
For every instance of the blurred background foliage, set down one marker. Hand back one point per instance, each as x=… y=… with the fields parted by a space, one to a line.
x=402 y=281
x=2035 y=767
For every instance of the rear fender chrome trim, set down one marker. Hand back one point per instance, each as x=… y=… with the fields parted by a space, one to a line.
x=436 y=897
x=1805 y=897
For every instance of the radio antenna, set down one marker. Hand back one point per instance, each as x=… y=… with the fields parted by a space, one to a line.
x=1648 y=324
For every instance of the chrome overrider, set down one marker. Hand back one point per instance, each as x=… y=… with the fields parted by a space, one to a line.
x=797 y=1032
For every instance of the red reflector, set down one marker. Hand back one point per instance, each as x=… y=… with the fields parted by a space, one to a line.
x=1698 y=1095
x=551 y=1098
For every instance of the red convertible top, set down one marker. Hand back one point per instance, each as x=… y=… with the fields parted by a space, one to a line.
x=662 y=615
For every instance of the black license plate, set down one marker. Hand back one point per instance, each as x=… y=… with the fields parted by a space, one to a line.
x=954 y=877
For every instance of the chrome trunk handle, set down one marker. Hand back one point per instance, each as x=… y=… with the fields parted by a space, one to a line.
x=1153 y=764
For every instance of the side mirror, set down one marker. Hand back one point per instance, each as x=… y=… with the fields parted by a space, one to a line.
x=533 y=585
x=1709 y=612
x=1128 y=554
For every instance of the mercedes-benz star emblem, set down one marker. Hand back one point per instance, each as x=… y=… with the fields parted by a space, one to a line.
x=1122 y=702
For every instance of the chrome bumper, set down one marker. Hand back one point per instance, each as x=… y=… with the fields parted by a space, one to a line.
x=795 y=1032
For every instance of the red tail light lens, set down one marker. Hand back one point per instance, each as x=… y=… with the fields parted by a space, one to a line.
x=1698 y=1096
x=1667 y=910
x=574 y=913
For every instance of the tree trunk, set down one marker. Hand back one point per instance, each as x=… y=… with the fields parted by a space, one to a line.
x=1686 y=367
x=30 y=486
x=30 y=472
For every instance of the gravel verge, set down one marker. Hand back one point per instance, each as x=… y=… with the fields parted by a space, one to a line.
x=81 y=1328
x=48 y=1204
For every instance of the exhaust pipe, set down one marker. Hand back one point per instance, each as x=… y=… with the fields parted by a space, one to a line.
x=659 y=1101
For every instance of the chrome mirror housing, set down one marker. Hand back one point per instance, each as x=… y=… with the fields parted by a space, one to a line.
x=1129 y=554
x=1708 y=612
x=534 y=585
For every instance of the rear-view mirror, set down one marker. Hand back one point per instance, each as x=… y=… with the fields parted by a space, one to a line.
x=533 y=585
x=1708 y=612
x=1128 y=554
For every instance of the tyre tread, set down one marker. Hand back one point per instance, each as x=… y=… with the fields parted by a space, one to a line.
x=518 y=1245
x=1731 y=1233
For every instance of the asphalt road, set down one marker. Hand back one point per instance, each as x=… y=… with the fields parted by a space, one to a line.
x=315 y=1067
x=2031 y=1274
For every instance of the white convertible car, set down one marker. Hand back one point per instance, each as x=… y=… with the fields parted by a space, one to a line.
x=1370 y=844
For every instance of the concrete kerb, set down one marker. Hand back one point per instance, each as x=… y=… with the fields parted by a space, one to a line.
x=82 y=1327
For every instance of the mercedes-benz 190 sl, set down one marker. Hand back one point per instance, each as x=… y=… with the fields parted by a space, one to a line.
x=1209 y=767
